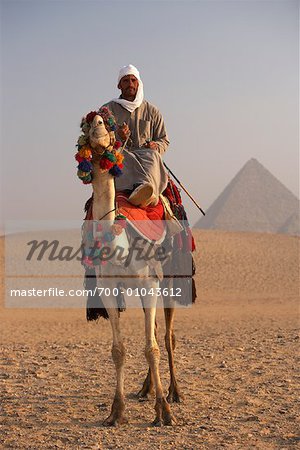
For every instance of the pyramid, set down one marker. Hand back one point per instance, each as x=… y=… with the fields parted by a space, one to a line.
x=254 y=200
x=291 y=225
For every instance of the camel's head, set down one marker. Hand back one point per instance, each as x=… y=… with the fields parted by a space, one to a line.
x=99 y=128
x=97 y=146
x=98 y=134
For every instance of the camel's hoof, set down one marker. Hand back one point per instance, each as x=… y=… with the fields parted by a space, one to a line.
x=144 y=394
x=168 y=420
x=157 y=422
x=163 y=413
x=116 y=416
x=143 y=398
x=113 y=421
x=175 y=397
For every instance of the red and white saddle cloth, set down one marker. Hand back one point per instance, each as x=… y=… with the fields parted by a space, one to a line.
x=148 y=222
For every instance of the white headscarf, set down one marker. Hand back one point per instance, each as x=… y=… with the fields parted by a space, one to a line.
x=131 y=106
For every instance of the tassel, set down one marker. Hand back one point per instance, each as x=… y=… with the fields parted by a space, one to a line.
x=94 y=306
x=120 y=299
x=194 y=291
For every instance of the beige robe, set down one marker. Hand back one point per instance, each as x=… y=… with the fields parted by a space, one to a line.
x=142 y=164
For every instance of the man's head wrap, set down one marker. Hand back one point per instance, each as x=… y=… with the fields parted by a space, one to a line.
x=131 y=106
x=129 y=70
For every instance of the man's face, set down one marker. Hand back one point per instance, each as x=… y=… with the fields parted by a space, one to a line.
x=129 y=86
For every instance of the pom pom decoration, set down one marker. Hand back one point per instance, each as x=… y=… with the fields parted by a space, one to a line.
x=116 y=229
x=88 y=262
x=108 y=237
x=98 y=244
x=105 y=164
x=120 y=158
x=117 y=145
x=82 y=140
x=121 y=220
x=85 y=166
x=82 y=174
x=85 y=152
x=110 y=156
x=111 y=121
x=90 y=116
x=111 y=160
x=79 y=158
x=116 y=171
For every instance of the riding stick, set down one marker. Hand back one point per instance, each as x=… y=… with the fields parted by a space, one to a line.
x=185 y=190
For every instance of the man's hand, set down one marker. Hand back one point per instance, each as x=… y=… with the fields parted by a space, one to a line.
x=151 y=144
x=123 y=131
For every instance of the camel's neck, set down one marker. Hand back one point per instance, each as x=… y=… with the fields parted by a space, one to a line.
x=104 y=196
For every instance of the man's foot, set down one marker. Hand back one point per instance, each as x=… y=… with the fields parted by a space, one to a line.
x=142 y=195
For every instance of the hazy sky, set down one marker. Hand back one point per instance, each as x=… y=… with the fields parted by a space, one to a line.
x=223 y=73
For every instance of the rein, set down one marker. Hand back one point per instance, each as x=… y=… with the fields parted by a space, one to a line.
x=101 y=218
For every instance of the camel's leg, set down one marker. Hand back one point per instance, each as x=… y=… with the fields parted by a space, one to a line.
x=148 y=387
x=116 y=416
x=162 y=407
x=174 y=394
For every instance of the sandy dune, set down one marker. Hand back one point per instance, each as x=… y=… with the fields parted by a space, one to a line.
x=236 y=361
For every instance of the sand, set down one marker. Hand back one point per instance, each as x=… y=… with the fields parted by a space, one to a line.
x=236 y=360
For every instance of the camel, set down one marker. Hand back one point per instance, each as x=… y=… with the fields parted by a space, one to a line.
x=99 y=140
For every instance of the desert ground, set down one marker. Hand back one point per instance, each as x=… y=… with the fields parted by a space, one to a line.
x=236 y=360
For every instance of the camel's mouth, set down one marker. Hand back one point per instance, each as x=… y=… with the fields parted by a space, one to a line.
x=99 y=133
x=99 y=137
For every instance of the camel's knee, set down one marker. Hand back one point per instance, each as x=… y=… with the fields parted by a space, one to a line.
x=152 y=353
x=118 y=354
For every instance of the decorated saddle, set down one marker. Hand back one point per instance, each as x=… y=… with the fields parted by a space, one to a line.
x=147 y=222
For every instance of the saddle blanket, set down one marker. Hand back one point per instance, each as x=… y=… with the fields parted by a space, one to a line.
x=148 y=222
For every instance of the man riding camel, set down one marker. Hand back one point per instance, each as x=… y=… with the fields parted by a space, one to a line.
x=142 y=125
